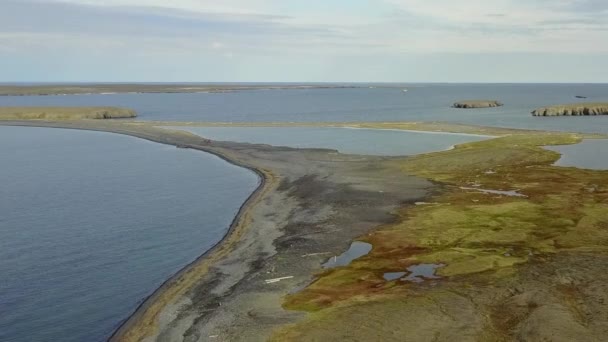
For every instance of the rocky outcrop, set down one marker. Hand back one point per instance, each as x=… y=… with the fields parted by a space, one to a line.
x=477 y=104
x=64 y=113
x=577 y=109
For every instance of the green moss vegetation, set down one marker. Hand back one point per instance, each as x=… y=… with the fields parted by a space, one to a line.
x=481 y=238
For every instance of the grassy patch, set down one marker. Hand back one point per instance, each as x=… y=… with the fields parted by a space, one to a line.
x=474 y=233
x=64 y=113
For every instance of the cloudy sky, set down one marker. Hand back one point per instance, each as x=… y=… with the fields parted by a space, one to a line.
x=304 y=40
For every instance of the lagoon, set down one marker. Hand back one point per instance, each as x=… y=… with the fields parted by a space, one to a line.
x=383 y=142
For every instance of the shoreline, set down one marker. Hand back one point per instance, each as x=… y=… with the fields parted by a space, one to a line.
x=147 y=321
x=311 y=204
x=429 y=127
x=238 y=222
x=265 y=182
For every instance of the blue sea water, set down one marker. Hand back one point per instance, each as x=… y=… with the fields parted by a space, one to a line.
x=91 y=223
x=422 y=102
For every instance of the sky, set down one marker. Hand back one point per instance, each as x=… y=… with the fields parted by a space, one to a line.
x=304 y=41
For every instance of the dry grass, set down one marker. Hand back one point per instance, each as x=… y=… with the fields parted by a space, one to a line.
x=64 y=113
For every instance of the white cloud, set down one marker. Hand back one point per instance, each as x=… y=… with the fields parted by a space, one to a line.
x=206 y=6
x=268 y=31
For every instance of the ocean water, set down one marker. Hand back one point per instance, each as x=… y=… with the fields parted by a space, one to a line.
x=91 y=223
x=422 y=102
x=345 y=140
x=589 y=154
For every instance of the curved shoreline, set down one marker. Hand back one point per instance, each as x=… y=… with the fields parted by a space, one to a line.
x=218 y=282
x=329 y=199
x=141 y=314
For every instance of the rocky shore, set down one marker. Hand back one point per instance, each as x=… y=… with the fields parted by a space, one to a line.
x=576 y=109
x=477 y=104
x=64 y=113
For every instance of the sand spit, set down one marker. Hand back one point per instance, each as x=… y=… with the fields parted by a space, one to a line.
x=65 y=113
x=311 y=202
x=512 y=267
x=135 y=88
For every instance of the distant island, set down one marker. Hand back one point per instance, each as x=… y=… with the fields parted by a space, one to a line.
x=477 y=104
x=64 y=113
x=115 y=88
x=576 y=109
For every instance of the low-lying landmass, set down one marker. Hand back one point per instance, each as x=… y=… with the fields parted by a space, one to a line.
x=575 y=109
x=517 y=247
x=82 y=89
x=477 y=104
x=64 y=113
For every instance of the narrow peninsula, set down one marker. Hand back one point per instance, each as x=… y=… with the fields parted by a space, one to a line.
x=575 y=109
x=469 y=104
x=65 y=113
x=516 y=246
x=145 y=88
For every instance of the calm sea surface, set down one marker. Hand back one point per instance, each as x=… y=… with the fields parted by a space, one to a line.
x=91 y=223
x=345 y=140
x=589 y=154
x=422 y=102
